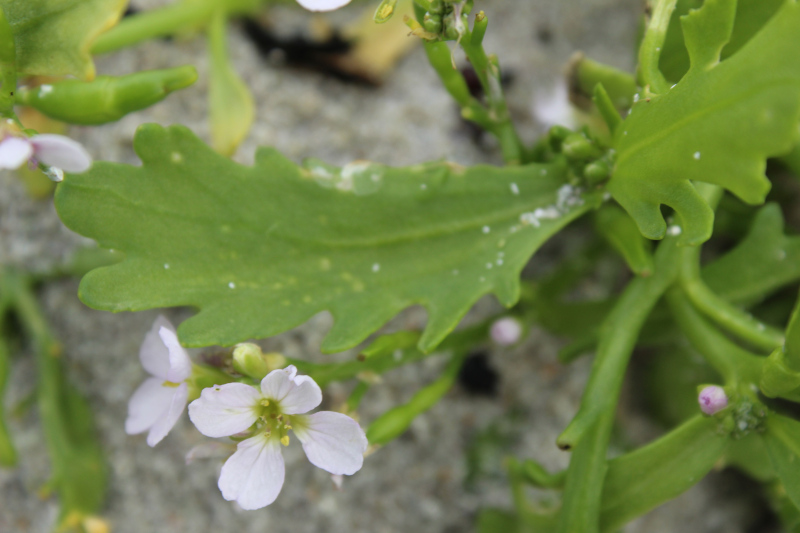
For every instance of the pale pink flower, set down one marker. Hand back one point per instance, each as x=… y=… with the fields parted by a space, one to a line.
x=159 y=402
x=506 y=331
x=56 y=151
x=712 y=399
x=253 y=476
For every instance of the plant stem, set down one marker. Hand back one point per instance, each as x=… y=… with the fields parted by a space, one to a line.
x=650 y=50
x=79 y=471
x=734 y=364
x=494 y=117
x=733 y=319
x=168 y=20
x=617 y=339
x=488 y=71
x=8 y=455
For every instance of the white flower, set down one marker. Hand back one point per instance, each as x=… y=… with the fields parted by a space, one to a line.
x=55 y=151
x=322 y=5
x=253 y=476
x=159 y=401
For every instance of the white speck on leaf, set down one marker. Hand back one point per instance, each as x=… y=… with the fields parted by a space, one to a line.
x=674 y=230
x=514 y=189
x=486 y=229
x=376 y=267
x=697 y=156
x=232 y=285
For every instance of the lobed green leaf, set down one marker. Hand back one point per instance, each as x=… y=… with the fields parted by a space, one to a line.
x=765 y=260
x=261 y=249
x=718 y=125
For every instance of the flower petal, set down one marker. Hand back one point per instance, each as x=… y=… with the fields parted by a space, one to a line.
x=62 y=152
x=277 y=384
x=14 y=151
x=154 y=354
x=305 y=396
x=147 y=405
x=323 y=5
x=332 y=442
x=180 y=366
x=253 y=476
x=224 y=410
x=167 y=421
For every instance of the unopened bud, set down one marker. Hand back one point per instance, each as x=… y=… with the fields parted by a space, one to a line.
x=712 y=399
x=506 y=331
x=248 y=359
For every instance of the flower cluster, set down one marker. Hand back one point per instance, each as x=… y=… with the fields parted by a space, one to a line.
x=253 y=476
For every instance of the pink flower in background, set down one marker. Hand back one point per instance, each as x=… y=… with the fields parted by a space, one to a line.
x=56 y=151
x=253 y=476
x=159 y=402
x=506 y=331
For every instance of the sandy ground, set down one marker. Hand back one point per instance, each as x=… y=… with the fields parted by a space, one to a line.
x=416 y=483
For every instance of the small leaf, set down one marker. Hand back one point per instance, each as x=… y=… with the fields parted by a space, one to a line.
x=645 y=478
x=706 y=31
x=619 y=229
x=53 y=37
x=231 y=105
x=261 y=249
x=716 y=125
x=762 y=262
x=783 y=444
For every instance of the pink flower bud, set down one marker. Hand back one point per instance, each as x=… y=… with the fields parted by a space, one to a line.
x=506 y=331
x=712 y=399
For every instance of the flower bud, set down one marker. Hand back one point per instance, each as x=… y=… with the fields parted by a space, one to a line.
x=506 y=331
x=248 y=359
x=712 y=399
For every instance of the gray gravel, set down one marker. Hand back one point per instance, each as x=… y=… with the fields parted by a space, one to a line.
x=416 y=483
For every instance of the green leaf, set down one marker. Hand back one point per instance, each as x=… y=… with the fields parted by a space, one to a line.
x=396 y=420
x=616 y=227
x=261 y=249
x=643 y=479
x=717 y=125
x=783 y=444
x=231 y=107
x=495 y=520
x=751 y=15
x=762 y=262
x=53 y=37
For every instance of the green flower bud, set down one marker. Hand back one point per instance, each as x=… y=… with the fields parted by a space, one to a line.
x=248 y=359
x=577 y=146
x=596 y=172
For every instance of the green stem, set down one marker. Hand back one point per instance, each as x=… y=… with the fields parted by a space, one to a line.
x=79 y=472
x=488 y=72
x=650 y=50
x=617 y=339
x=733 y=319
x=8 y=455
x=732 y=362
x=8 y=67
x=583 y=488
x=168 y=20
